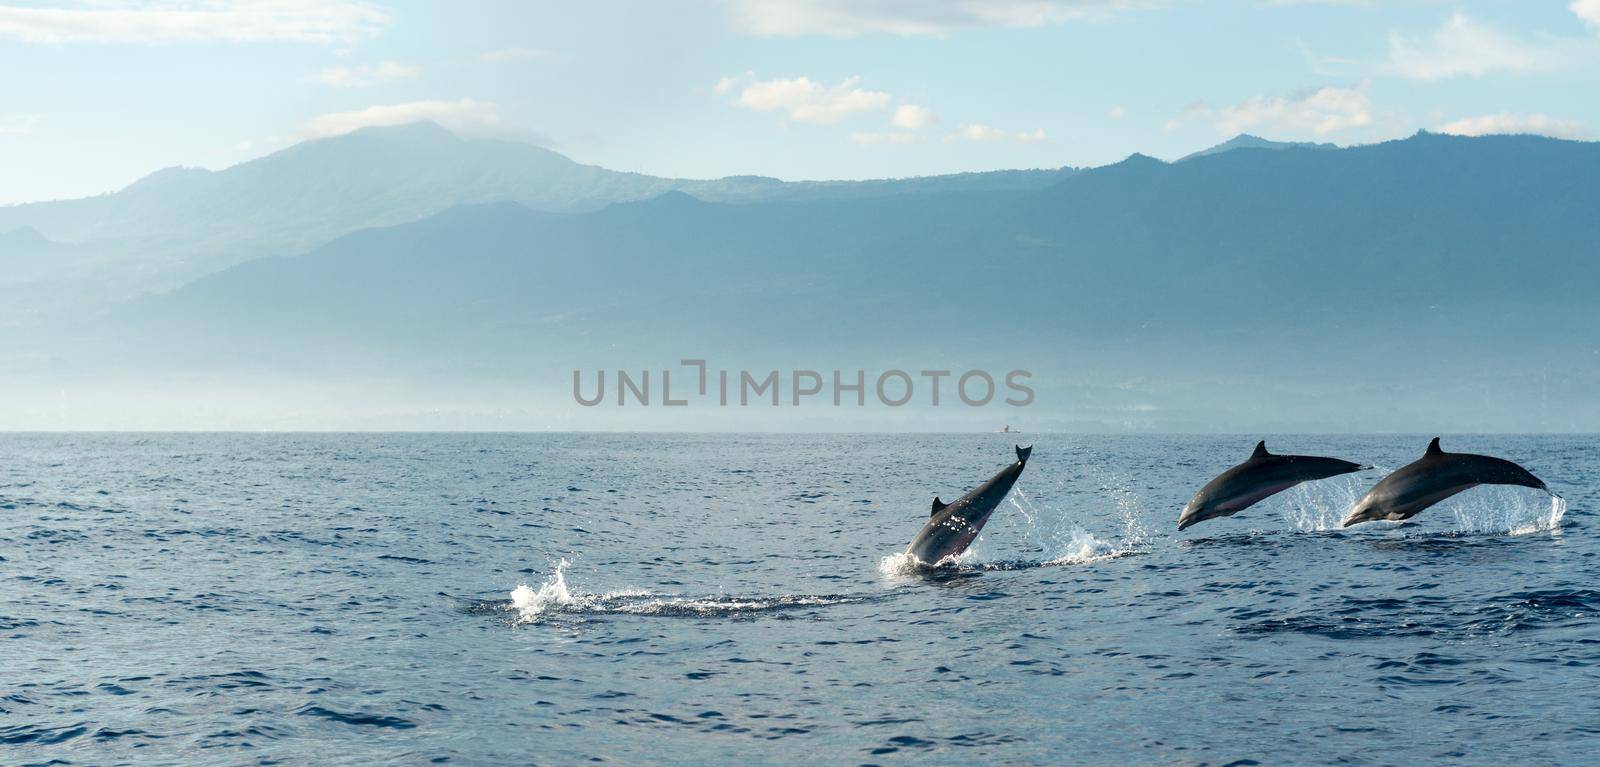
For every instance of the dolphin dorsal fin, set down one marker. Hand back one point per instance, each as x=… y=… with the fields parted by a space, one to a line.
x=1261 y=450
x=938 y=506
x=1433 y=447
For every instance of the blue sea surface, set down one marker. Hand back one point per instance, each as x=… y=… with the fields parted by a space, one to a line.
x=486 y=599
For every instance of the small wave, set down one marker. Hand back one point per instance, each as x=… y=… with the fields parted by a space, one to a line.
x=40 y=735
x=1350 y=617
x=554 y=597
x=356 y=718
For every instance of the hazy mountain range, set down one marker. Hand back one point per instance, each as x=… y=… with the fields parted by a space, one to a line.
x=1435 y=282
x=180 y=223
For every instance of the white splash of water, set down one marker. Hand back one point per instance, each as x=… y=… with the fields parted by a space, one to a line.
x=901 y=565
x=1019 y=500
x=1507 y=509
x=1065 y=541
x=1084 y=547
x=1134 y=532
x=553 y=596
x=904 y=564
x=530 y=604
x=1322 y=505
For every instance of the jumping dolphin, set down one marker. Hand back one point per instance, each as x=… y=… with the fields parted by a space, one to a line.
x=1435 y=476
x=952 y=527
x=1262 y=475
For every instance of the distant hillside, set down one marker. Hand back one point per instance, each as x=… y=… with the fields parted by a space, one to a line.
x=1436 y=280
x=318 y=189
x=178 y=224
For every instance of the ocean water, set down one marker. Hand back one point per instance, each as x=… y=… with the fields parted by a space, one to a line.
x=737 y=599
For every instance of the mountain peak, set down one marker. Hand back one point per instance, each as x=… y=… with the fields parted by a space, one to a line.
x=25 y=235
x=167 y=177
x=422 y=130
x=1249 y=141
x=1136 y=161
x=753 y=180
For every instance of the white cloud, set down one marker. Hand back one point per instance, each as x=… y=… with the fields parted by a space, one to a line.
x=367 y=75
x=508 y=55
x=168 y=21
x=890 y=138
x=1588 y=11
x=1537 y=124
x=848 y=18
x=986 y=133
x=463 y=115
x=805 y=100
x=979 y=132
x=1466 y=47
x=1035 y=136
x=19 y=125
x=1321 y=112
x=1118 y=112
x=913 y=117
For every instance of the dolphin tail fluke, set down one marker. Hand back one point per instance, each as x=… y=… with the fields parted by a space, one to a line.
x=1023 y=453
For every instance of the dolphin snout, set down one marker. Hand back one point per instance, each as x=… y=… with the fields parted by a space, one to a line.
x=1190 y=516
x=1356 y=517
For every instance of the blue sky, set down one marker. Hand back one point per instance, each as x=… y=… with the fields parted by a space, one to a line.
x=100 y=92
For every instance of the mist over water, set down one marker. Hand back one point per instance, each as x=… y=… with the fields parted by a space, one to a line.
x=729 y=599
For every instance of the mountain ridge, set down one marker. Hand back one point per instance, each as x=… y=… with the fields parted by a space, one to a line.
x=1428 y=281
x=1385 y=273
x=177 y=224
